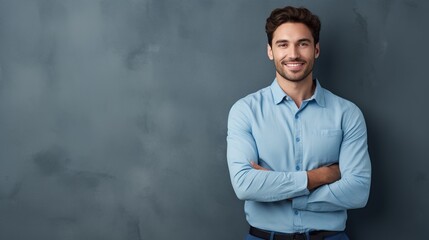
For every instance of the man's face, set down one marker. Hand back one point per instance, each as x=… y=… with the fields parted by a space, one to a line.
x=293 y=52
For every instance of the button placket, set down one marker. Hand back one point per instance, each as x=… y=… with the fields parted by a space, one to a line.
x=298 y=142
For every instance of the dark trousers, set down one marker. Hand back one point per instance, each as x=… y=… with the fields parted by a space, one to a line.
x=338 y=236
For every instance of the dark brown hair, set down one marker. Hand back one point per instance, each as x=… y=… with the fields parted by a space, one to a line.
x=291 y=14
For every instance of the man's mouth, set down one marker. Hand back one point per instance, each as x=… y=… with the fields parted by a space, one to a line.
x=294 y=66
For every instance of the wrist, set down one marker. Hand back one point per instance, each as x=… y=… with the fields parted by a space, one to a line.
x=316 y=178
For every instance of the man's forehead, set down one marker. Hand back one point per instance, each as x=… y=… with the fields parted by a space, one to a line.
x=292 y=31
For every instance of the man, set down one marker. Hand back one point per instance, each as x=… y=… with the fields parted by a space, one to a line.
x=297 y=154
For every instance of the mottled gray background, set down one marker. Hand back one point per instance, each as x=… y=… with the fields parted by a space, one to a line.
x=113 y=113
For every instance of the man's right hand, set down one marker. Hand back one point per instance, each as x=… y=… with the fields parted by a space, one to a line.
x=323 y=175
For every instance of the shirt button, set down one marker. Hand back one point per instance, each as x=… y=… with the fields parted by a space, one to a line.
x=296 y=116
x=298 y=139
x=297 y=168
x=296 y=212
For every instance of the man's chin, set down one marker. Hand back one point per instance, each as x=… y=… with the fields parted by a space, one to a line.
x=294 y=78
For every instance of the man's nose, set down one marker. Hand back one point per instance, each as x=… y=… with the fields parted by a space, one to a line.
x=293 y=52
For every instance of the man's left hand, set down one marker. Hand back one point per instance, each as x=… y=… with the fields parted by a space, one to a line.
x=257 y=167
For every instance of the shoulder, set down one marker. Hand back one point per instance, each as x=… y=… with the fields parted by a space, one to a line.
x=350 y=114
x=339 y=103
x=253 y=100
x=244 y=111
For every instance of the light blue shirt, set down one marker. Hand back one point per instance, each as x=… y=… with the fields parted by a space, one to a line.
x=267 y=127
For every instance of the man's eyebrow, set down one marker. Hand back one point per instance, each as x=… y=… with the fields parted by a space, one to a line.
x=299 y=40
x=282 y=41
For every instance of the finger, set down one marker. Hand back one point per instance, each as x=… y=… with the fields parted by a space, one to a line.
x=254 y=165
x=257 y=167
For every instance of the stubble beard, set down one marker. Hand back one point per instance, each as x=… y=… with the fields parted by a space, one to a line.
x=294 y=78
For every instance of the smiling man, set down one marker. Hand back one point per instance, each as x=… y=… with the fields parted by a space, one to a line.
x=297 y=153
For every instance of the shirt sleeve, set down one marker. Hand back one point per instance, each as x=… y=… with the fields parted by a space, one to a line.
x=352 y=190
x=248 y=183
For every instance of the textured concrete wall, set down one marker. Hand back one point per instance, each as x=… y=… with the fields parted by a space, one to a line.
x=113 y=113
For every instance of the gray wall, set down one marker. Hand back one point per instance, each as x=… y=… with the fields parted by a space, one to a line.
x=113 y=113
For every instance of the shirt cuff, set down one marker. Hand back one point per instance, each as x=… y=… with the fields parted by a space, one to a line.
x=301 y=181
x=300 y=202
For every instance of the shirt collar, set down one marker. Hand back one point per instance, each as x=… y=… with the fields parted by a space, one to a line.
x=319 y=94
x=279 y=94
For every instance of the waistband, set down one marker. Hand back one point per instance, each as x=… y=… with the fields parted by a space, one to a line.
x=314 y=235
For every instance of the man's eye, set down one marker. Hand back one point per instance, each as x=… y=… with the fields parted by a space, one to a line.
x=282 y=45
x=303 y=44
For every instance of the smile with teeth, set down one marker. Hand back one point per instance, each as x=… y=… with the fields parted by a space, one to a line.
x=294 y=66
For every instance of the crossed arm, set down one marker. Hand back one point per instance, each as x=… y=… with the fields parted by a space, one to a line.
x=316 y=177
x=333 y=188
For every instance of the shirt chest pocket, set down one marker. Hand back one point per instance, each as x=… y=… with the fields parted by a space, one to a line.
x=324 y=146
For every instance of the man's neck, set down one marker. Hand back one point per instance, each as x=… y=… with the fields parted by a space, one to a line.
x=298 y=91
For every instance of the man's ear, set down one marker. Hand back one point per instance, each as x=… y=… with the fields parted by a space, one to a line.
x=317 y=50
x=270 y=52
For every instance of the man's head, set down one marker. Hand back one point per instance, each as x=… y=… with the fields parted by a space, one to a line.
x=290 y=14
x=293 y=36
